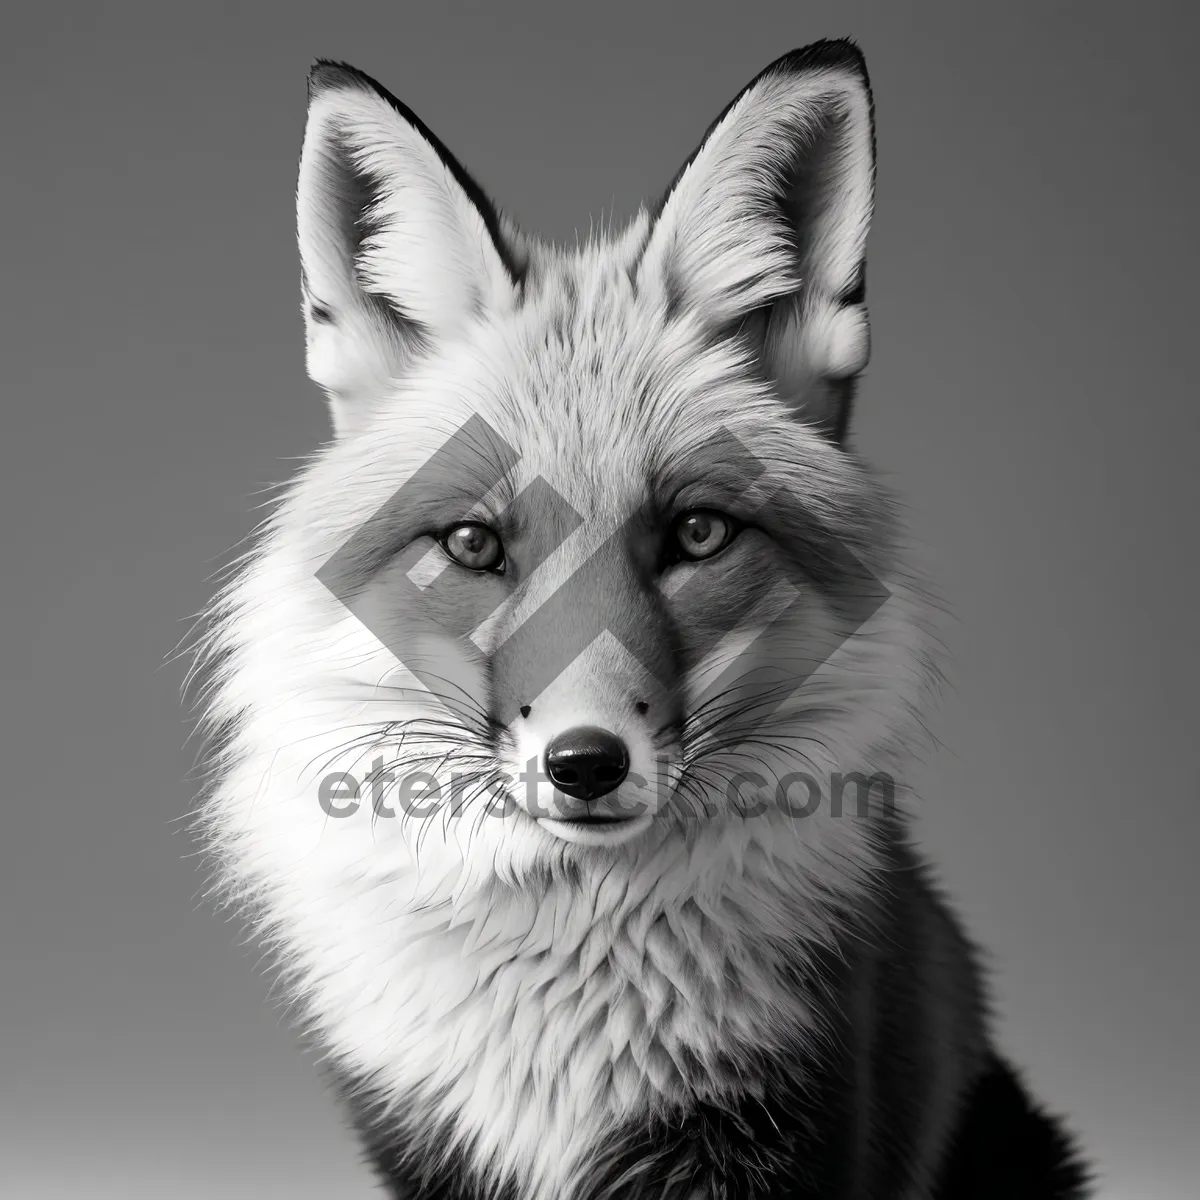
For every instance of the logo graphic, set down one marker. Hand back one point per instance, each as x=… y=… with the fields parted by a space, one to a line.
x=476 y=452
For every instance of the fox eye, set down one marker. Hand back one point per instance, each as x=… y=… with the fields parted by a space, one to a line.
x=702 y=533
x=475 y=546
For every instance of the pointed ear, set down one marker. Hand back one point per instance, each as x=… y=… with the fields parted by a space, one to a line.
x=399 y=248
x=763 y=232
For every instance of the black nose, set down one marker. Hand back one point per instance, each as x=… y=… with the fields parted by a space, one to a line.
x=586 y=762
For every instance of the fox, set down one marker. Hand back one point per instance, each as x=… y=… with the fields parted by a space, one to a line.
x=511 y=703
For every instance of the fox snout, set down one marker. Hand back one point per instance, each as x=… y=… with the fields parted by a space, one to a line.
x=589 y=750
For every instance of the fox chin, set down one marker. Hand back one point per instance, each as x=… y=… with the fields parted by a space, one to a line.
x=560 y=711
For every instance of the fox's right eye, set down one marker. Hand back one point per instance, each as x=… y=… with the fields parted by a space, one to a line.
x=475 y=546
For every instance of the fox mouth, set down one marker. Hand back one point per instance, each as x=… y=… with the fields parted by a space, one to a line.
x=597 y=829
x=596 y=819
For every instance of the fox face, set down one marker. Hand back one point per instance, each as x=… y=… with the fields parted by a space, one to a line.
x=603 y=557
x=528 y=678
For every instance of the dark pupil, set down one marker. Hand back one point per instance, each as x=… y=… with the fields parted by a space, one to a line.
x=473 y=539
x=697 y=530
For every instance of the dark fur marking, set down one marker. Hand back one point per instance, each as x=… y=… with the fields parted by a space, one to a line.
x=799 y=1144
x=407 y=1156
x=1006 y=1147
x=856 y=292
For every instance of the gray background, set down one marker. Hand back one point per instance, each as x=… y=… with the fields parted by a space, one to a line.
x=1031 y=278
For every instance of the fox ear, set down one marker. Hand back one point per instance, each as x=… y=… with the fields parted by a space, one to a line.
x=398 y=245
x=763 y=232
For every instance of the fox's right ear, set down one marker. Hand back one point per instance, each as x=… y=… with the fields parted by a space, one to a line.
x=398 y=245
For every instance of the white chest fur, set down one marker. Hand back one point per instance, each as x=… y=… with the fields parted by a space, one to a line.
x=535 y=1027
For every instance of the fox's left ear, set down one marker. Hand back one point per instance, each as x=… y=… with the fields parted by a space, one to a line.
x=763 y=233
x=399 y=247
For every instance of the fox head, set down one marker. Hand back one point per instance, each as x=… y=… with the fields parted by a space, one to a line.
x=588 y=584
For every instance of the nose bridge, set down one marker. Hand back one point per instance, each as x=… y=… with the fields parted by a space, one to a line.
x=564 y=617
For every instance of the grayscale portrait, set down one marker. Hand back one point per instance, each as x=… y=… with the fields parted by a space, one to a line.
x=599 y=603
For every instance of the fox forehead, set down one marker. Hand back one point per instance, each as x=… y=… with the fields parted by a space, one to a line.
x=595 y=407
x=592 y=383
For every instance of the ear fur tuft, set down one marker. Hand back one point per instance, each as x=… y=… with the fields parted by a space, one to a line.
x=764 y=228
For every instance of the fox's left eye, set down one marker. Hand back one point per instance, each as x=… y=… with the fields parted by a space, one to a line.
x=475 y=546
x=703 y=533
